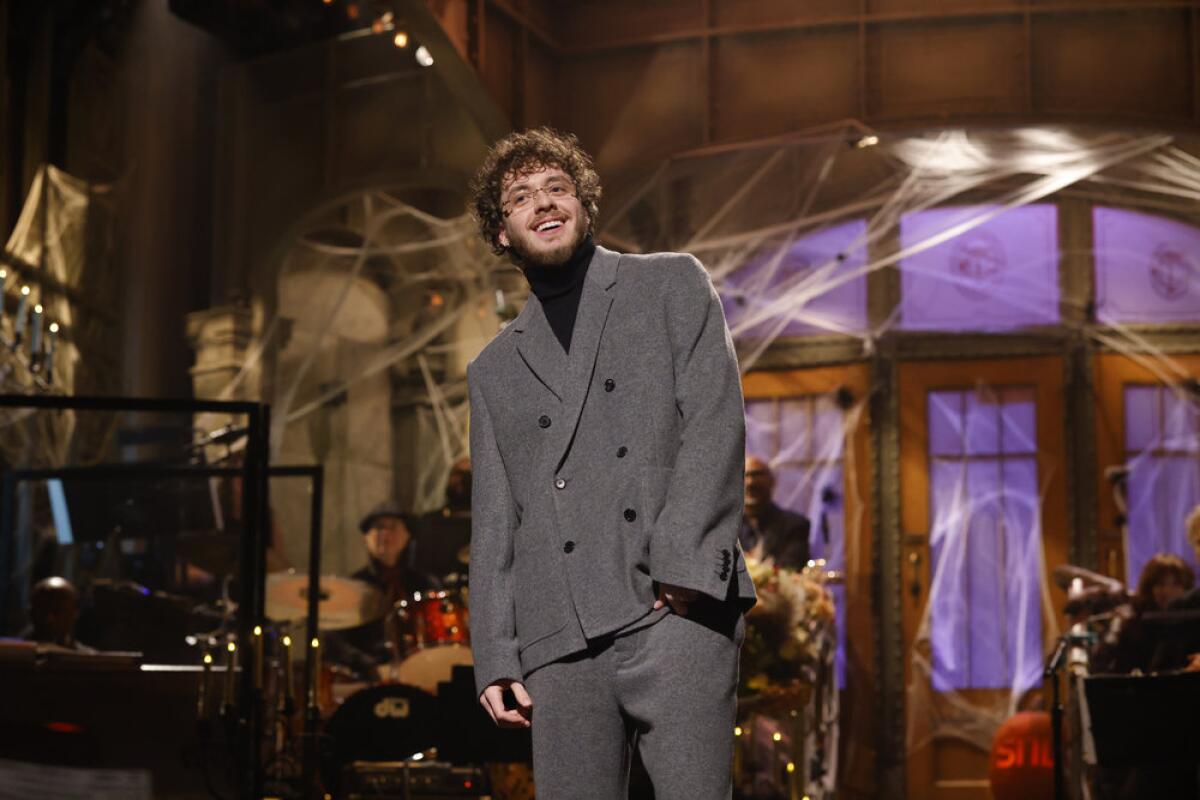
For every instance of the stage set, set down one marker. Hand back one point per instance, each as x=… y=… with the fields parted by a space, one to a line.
x=957 y=245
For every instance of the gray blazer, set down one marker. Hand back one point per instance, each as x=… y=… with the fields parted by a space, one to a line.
x=598 y=473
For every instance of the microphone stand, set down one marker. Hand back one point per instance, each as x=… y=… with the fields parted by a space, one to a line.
x=1077 y=637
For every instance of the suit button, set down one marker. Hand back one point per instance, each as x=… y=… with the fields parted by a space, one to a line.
x=544 y=421
x=560 y=484
x=621 y=451
x=569 y=546
x=630 y=515
x=609 y=385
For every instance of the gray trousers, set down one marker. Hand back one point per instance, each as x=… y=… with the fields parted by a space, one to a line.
x=667 y=689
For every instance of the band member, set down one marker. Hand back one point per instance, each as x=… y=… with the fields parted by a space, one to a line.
x=768 y=531
x=607 y=437
x=388 y=569
x=444 y=536
x=53 y=612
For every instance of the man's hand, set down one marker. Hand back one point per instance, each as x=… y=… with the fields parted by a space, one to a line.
x=492 y=701
x=676 y=597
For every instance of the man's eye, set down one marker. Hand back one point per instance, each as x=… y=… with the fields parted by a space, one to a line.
x=557 y=191
x=519 y=199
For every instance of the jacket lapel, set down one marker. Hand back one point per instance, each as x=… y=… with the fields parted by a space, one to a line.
x=594 y=305
x=540 y=348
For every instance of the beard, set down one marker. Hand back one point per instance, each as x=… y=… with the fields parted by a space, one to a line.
x=554 y=257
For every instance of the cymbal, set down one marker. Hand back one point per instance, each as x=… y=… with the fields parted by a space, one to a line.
x=343 y=602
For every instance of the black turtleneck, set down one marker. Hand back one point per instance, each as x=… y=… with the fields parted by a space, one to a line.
x=559 y=289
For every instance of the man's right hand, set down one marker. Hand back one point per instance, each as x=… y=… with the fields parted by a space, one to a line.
x=492 y=701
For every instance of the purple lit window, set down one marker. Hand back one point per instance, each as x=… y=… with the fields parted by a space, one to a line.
x=979 y=268
x=985 y=621
x=816 y=286
x=802 y=438
x=1147 y=268
x=1162 y=451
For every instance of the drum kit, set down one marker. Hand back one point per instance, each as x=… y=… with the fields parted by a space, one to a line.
x=395 y=717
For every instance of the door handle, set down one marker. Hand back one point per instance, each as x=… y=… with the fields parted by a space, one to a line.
x=914 y=565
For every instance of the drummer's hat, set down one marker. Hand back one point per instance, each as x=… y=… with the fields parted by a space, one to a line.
x=386 y=509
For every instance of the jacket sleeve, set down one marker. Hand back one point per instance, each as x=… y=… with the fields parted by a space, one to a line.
x=493 y=521
x=693 y=542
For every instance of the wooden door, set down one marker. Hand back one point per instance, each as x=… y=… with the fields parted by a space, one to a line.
x=829 y=404
x=983 y=516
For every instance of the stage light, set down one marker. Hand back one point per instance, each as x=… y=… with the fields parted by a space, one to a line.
x=37 y=309
x=54 y=327
x=400 y=39
x=737 y=731
x=423 y=57
x=870 y=140
x=791 y=766
x=327 y=2
x=352 y=11
x=777 y=736
x=25 y=290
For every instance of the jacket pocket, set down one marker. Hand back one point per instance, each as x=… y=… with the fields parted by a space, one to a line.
x=523 y=644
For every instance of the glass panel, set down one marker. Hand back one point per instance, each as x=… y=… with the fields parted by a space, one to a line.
x=1019 y=423
x=817 y=285
x=828 y=438
x=762 y=429
x=983 y=423
x=795 y=427
x=1146 y=268
x=979 y=268
x=945 y=423
x=1179 y=420
x=1141 y=417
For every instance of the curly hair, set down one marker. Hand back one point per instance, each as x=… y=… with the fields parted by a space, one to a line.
x=520 y=154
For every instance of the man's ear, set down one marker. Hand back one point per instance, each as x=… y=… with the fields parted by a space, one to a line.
x=502 y=237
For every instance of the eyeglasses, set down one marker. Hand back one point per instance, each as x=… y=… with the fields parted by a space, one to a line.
x=523 y=198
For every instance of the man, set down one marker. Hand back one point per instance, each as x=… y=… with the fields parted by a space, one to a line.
x=769 y=531
x=388 y=570
x=53 y=612
x=444 y=536
x=607 y=434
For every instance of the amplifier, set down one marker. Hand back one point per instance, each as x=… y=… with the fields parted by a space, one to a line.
x=412 y=780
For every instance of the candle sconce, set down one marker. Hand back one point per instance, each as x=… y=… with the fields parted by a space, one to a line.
x=32 y=327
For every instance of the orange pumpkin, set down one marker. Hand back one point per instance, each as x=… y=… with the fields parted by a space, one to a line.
x=1021 y=766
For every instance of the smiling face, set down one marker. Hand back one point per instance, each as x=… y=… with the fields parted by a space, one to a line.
x=543 y=219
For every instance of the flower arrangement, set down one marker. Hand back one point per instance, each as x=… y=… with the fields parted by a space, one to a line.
x=789 y=632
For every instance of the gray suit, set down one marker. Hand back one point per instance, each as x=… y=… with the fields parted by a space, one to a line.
x=603 y=471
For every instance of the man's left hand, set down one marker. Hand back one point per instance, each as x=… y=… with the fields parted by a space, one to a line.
x=676 y=597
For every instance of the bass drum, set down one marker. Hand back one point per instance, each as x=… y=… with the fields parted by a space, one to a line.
x=382 y=723
x=426 y=668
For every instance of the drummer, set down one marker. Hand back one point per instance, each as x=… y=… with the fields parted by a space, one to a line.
x=387 y=537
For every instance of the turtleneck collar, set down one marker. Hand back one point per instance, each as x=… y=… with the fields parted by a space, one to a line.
x=551 y=282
